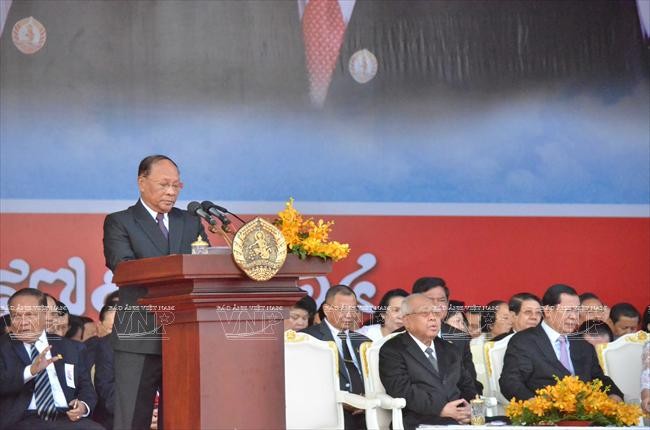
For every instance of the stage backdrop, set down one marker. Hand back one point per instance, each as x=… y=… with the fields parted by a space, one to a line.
x=504 y=146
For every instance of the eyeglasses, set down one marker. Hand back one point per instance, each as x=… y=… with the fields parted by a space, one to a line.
x=164 y=186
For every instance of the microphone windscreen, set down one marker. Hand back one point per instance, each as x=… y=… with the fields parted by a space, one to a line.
x=193 y=206
x=206 y=205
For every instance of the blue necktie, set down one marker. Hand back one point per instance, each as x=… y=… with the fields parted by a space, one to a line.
x=45 y=407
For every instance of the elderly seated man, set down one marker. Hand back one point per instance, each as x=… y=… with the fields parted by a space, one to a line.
x=426 y=370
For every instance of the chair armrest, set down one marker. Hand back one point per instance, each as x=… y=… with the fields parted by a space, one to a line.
x=388 y=402
x=356 y=400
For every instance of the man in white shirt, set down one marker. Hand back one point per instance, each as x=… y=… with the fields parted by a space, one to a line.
x=44 y=382
x=341 y=316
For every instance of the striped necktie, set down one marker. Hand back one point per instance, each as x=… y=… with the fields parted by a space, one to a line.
x=45 y=407
x=356 y=382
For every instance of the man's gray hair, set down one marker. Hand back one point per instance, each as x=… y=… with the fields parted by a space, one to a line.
x=407 y=307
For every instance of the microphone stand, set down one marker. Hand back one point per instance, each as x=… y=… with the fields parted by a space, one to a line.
x=225 y=232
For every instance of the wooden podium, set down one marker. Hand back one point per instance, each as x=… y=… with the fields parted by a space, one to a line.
x=223 y=348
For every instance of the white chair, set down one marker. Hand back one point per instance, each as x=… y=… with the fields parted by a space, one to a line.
x=494 y=354
x=313 y=397
x=477 y=348
x=621 y=361
x=478 y=358
x=390 y=407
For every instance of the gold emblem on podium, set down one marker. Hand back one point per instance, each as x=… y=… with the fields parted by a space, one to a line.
x=259 y=249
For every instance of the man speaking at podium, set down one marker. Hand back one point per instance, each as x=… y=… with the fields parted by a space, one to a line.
x=152 y=227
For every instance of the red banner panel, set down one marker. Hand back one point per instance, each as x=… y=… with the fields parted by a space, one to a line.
x=481 y=258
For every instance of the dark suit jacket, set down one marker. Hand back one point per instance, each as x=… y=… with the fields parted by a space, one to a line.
x=15 y=395
x=423 y=46
x=502 y=336
x=133 y=234
x=530 y=363
x=252 y=51
x=461 y=341
x=405 y=372
x=322 y=332
x=104 y=383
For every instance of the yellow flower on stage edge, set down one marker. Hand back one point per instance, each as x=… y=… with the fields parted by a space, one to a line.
x=572 y=399
x=308 y=237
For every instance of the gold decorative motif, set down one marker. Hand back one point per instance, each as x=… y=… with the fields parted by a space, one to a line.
x=363 y=351
x=292 y=337
x=200 y=246
x=638 y=337
x=335 y=353
x=601 y=358
x=486 y=349
x=259 y=249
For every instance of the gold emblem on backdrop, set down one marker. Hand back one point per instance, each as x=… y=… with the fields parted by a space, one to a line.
x=363 y=66
x=259 y=249
x=29 y=35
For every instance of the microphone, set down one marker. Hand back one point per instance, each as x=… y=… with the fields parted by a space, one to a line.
x=216 y=206
x=215 y=210
x=195 y=208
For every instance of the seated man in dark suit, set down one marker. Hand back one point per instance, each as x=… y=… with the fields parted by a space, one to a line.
x=525 y=311
x=105 y=383
x=535 y=355
x=340 y=308
x=425 y=370
x=44 y=382
x=436 y=289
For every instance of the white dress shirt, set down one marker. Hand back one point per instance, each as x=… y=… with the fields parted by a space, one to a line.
x=59 y=398
x=154 y=214
x=423 y=347
x=339 y=345
x=372 y=331
x=554 y=337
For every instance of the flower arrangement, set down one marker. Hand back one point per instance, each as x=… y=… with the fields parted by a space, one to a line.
x=572 y=399
x=306 y=237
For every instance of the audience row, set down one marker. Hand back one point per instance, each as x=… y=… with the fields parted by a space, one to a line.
x=428 y=361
